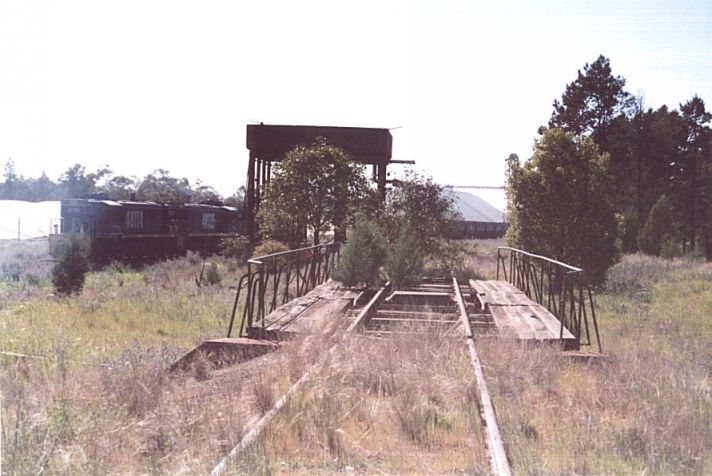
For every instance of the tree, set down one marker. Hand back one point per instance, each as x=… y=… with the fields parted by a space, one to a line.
x=42 y=188
x=561 y=204
x=644 y=149
x=707 y=187
x=590 y=104
x=119 y=187
x=659 y=228
x=362 y=256
x=161 y=187
x=77 y=183
x=691 y=174
x=205 y=194
x=405 y=260
x=71 y=268
x=237 y=199
x=11 y=183
x=316 y=187
x=422 y=206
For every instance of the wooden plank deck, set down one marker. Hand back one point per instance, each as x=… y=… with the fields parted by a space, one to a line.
x=317 y=311
x=518 y=317
x=498 y=293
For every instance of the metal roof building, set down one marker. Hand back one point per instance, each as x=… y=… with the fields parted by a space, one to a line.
x=479 y=218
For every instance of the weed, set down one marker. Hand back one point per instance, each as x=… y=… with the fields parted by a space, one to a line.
x=646 y=409
x=418 y=418
x=263 y=397
x=202 y=367
x=636 y=273
x=70 y=270
x=212 y=275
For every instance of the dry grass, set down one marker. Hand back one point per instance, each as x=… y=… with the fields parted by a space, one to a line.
x=398 y=406
x=125 y=416
x=160 y=304
x=24 y=268
x=404 y=405
x=480 y=259
x=131 y=418
x=647 y=409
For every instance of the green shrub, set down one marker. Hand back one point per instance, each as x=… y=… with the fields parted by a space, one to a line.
x=193 y=258
x=33 y=280
x=362 y=256
x=117 y=267
x=235 y=247
x=636 y=273
x=670 y=249
x=269 y=247
x=658 y=229
x=405 y=258
x=71 y=268
x=212 y=275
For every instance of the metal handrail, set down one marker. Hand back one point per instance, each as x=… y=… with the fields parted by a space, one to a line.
x=544 y=258
x=260 y=259
x=558 y=286
x=288 y=280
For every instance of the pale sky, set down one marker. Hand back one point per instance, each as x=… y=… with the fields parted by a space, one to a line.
x=141 y=85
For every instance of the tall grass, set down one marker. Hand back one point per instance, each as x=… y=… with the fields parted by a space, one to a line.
x=25 y=268
x=128 y=418
x=98 y=400
x=119 y=305
x=396 y=406
x=404 y=405
x=647 y=408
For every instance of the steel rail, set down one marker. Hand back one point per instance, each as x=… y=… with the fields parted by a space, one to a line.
x=251 y=436
x=499 y=462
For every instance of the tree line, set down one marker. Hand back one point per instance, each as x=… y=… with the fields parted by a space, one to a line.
x=76 y=182
x=610 y=176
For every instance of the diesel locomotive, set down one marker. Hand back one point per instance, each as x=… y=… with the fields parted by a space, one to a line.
x=133 y=230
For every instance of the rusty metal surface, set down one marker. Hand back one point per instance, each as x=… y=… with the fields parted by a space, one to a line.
x=366 y=145
x=420 y=298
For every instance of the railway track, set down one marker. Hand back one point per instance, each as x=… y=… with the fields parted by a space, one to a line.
x=438 y=307
x=441 y=307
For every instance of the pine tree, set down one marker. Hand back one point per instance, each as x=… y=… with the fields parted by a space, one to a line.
x=70 y=270
x=561 y=203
